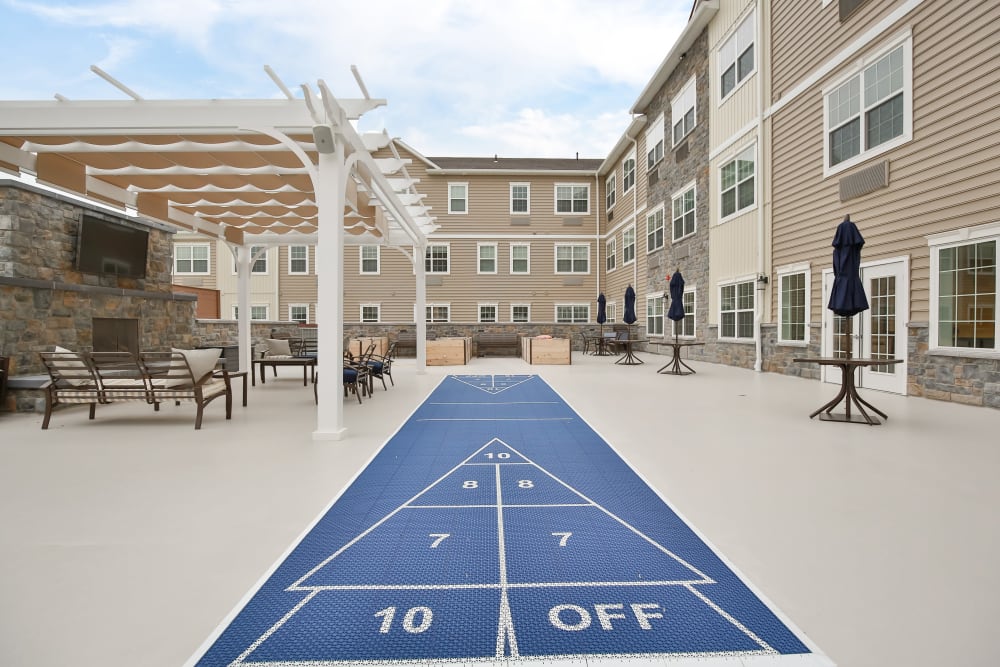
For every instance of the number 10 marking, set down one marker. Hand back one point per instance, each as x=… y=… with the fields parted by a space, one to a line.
x=387 y=614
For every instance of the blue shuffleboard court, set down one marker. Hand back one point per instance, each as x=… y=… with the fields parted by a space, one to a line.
x=497 y=527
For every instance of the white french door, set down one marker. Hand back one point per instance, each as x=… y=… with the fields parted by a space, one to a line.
x=877 y=333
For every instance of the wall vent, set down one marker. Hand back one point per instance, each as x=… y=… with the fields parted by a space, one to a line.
x=611 y=216
x=520 y=221
x=681 y=152
x=572 y=282
x=572 y=222
x=653 y=177
x=433 y=281
x=865 y=181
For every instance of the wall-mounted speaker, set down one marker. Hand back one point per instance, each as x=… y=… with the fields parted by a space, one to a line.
x=323 y=137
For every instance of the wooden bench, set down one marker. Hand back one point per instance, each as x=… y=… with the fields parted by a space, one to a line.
x=152 y=377
x=509 y=344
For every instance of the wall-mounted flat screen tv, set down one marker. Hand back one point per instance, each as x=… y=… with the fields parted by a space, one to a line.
x=111 y=248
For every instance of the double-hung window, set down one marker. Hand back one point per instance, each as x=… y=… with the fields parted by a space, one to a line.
x=736 y=308
x=572 y=198
x=654 y=230
x=520 y=258
x=370 y=255
x=685 y=327
x=458 y=198
x=736 y=57
x=191 y=259
x=683 y=213
x=654 y=142
x=438 y=312
x=683 y=115
x=520 y=198
x=487 y=258
x=436 y=259
x=572 y=313
x=298 y=312
x=258 y=312
x=259 y=266
x=298 y=260
x=793 y=304
x=628 y=173
x=628 y=245
x=611 y=312
x=573 y=258
x=487 y=312
x=654 y=315
x=520 y=313
x=964 y=289
x=737 y=182
x=871 y=111
x=371 y=313
x=609 y=190
x=609 y=254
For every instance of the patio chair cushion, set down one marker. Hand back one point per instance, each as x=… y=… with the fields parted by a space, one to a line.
x=278 y=347
x=202 y=362
x=72 y=363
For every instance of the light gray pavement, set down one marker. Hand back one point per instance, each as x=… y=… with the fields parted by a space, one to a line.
x=126 y=540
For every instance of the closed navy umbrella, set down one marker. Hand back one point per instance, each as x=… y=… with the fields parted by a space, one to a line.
x=847 y=297
x=602 y=311
x=676 y=311
x=629 y=317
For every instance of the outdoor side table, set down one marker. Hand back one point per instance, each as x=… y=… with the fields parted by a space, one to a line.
x=236 y=374
x=307 y=363
x=674 y=367
x=848 y=390
x=629 y=358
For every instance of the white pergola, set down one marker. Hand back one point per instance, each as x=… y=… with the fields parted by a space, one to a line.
x=259 y=172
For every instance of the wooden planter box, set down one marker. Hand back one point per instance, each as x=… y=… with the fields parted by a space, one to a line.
x=449 y=351
x=546 y=350
x=359 y=345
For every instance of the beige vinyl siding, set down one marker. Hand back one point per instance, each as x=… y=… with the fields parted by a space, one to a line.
x=204 y=281
x=394 y=289
x=946 y=178
x=298 y=288
x=740 y=107
x=263 y=288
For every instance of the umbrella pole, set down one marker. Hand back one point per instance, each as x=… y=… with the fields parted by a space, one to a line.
x=850 y=337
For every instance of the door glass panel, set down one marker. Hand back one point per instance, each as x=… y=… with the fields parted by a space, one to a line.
x=882 y=337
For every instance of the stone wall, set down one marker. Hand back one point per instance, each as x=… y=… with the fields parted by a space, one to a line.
x=950 y=377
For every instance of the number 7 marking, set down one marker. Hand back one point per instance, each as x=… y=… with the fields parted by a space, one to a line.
x=440 y=537
x=565 y=537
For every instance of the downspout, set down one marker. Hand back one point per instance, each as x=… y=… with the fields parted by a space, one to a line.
x=597 y=230
x=635 y=214
x=760 y=290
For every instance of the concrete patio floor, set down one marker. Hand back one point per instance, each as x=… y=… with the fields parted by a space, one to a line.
x=126 y=540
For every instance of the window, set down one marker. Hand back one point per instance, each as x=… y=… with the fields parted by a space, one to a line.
x=682 y=111
x=570 y=313
x=298 y=260
x=519 y=198
x=370 y=259
x=371 y=313
x=298 y=312
x=520 y=312
x=628 y=245
x=572 y=259
x=520 y=258
x=654 y=230
x=871 y=111
x=654 y=142
x=259 y=266
x=256 y=312
x=685 y=327
x=654 y=315
x=683 y=214
x=436 y=258
x=610 y=258
x=628 y=173
x=737 y=178
x=964 y=286
x=191 y=259
x=458 y=197
x=487 y=257
x=487 y=312
x=572 y=199
x=736 y=59
x=736 y=310
x=611 y=312
x=438 y=312
x=609 y=188
x=793 y=305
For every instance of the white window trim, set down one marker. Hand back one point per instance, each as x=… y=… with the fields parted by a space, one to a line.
x=609 y=253
x=654 y=136
x=490 y=304
x=718 y=300
x=466 y=198
x=752 y=14
x=936 y=242
x=693 y=313
x=298 y=305
x=680 y=105
x=663 y=228
x=520 y=305
x=511 y=250
x=904 y=39
x=792 y=269
x=555 y=199
x=555 y=259
x=519 y=184
x=438 y=273
x=611 y=190
x=298 y=273
x=557 y=306
x=266 y=307
x=479 y=259
x=431 y=306
x=208 y=261
x=626 y=262
x=266 y=256
x=693 y=185
x=361 y=312
x=630 y=156
x=756 y=175
x=611 y=312
x=378 y=260
x=662 y=317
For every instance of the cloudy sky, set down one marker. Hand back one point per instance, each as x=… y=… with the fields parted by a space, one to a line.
x=518 y=78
